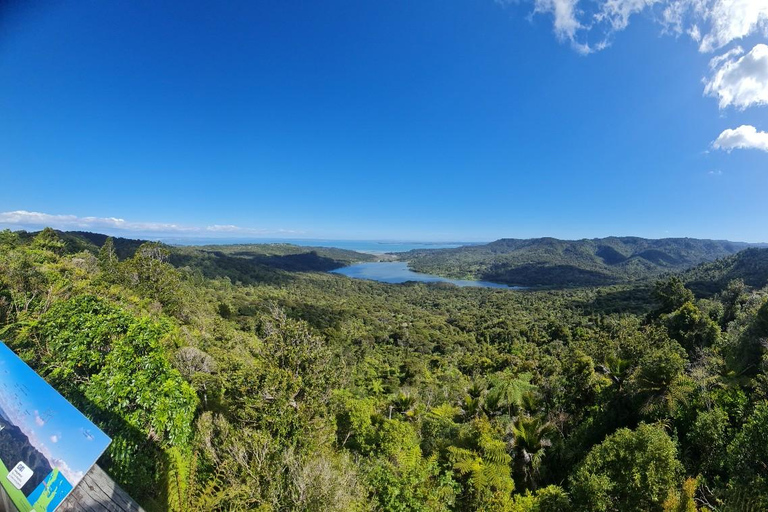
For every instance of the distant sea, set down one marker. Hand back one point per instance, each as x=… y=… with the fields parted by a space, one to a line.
x=367 y=246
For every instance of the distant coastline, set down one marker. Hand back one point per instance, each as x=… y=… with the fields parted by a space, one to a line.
x=365 y=246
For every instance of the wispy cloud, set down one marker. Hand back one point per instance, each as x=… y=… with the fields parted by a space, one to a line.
x=713 y=24
x=564 y=16
x=22 y=219
x=743 y=137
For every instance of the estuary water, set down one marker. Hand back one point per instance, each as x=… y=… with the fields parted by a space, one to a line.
x=398 y=272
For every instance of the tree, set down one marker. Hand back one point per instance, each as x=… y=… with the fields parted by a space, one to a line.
x=670 y=295
x=748 y=453
x=107 y=256
x=691 y=327
x=530 y=440
x=9 y=240
x=150 y=274
x=484 y=466
x=659 y=381
x=508 y=391
x=49 y=240
x=632 y=470
x=708 y=439
x=683 y=500
x=402 y=478
x=733 y=298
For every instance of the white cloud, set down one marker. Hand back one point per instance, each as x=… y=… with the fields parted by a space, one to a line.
x=25 y=218
x=564 y=11
x=743 y=137
x=72 y=476
x=228 y=228
x=618 y=12
x=711 y=23
x=740 y=80
x=731 y=20
x=22 y=219
x=695 y=33
x=54 y=438
x=19 y=418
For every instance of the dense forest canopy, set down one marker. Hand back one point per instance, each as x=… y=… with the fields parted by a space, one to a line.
x=559 y=263
x=248 y=378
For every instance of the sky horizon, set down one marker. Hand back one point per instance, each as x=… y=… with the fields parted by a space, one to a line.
x=198 y=236
x=420 y=121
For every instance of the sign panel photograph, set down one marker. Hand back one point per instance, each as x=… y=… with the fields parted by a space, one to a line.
x=46 y=445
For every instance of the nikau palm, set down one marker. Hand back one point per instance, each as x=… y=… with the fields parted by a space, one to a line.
x=530 y=439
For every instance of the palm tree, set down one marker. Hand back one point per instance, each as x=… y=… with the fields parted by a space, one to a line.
x=530 y=439
x=508 y=391
x=473 y=400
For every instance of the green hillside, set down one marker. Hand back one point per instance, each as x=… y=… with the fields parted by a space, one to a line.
x=552 y=262
x=750 y=266
x=294 y=390
x=244 y=263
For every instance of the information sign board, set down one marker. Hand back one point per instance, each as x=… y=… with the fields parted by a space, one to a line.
x=46 y=444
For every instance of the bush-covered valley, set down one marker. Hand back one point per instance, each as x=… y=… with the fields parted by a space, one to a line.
x=250 y=380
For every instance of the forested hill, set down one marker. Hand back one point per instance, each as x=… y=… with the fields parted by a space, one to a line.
x=750 y=265
x=243 y=263
x=250 y=263
x=588 y=262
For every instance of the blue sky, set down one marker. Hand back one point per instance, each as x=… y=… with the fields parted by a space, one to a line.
x=432 y=120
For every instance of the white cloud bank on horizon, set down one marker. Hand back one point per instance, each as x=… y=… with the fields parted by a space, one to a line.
x=740 y=80
x=713 y=24
x=25 y=219
x=743 y=137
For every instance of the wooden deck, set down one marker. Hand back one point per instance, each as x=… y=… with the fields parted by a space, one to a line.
x=96 y=492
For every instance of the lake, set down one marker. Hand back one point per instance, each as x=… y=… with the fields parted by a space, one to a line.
x=398 y=272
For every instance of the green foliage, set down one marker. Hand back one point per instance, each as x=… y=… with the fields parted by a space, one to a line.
x=750 y=266
x=485 y=467
x=531 y=437
x=658 y=381
x=508 y=392
x=708 y=439
x=747 y=456
x=241 y=378
x=138 y=381
x=692 y=328
x=403 y=480
x=671 y=294
x=48 y=240
x=630 y=470
x=113 y=367
x=553 y=499
x=684 y=500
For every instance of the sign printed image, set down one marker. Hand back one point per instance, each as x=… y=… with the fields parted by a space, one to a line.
x=46 y=444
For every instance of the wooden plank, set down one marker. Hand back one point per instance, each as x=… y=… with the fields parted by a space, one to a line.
x=5 y=501
x=97 y=492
